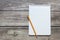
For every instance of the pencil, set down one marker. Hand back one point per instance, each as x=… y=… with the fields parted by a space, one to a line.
x=32 y=26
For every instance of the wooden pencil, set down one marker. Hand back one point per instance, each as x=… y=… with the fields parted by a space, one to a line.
x=32 y=26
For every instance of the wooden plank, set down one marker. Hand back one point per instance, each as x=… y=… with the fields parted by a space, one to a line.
x=22 y=34
x=23 y=4
x=55 y=34
x=56 y=19
x=15 y=34
x=13 y=18
x=18 y=5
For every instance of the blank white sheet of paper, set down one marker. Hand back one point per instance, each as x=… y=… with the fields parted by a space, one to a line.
x=41 y=19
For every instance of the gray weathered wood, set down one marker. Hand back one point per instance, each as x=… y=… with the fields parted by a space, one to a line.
x=13 y=18
x=22 y=34
x=23 y=5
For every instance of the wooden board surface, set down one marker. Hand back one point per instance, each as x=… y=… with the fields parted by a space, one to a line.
x=22 y=34
x=10 y=7
x=11 y=18
x=22 y=5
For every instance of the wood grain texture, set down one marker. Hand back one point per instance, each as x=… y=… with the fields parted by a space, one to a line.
x=14 y=13
x=22 y=34
x=11 y=18
x=22 y=5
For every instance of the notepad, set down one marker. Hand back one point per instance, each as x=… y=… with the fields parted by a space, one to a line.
x=40 y=16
